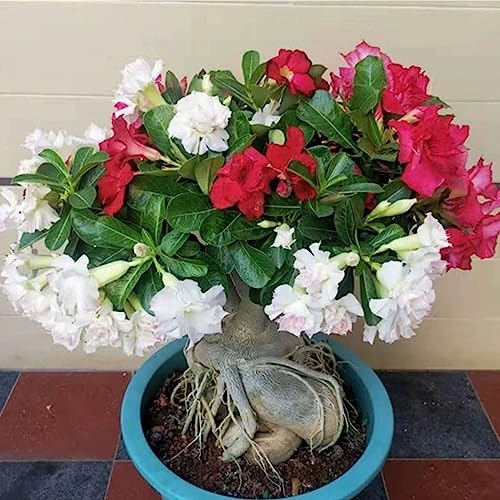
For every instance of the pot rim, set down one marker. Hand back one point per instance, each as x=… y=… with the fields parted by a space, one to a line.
x=166 y=482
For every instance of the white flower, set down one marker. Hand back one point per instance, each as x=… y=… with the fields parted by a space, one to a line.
x=36 y=211
x=432 y=234
x=184 y=310
x=17 y=274
x=408 y=297
x=339 y=315
x=106 y=329
x=137 y=78
x=318 y=273
x=427 y=260
x=10 y=214
x=284 y=236
x=268 y=115
x=294 y=310
x=77 y=291
x=200 y=123
x=142 y=336
x=94 y=135
x=38 y=140
x=30 y=165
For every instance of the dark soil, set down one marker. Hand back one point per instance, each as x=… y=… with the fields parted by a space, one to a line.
x=304 y=472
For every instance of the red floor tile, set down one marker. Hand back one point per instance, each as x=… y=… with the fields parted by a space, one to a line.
x=63 y=416
x=442 y=479
x=487 y=386
x=127 y=484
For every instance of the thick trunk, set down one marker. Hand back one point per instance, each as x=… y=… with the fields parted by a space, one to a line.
x=279 y=389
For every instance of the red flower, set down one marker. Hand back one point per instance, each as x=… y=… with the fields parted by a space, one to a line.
x=433 y=151
x=341 y=84
x=408 y=89
x=113 y=185
x=243 y=181
x=128 y=143
x=292 y=67
x=280 y=157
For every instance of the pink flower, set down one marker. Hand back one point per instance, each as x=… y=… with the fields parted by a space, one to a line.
x=291 y=67
x=407 y=90
x=481 y=199
x=128 y=142
x=433 y=152
x=341 y=84
x=481 y=242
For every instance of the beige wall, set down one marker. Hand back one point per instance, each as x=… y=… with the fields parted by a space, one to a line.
x=60 y=61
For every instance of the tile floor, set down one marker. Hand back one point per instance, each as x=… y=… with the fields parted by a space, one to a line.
x=59 y=438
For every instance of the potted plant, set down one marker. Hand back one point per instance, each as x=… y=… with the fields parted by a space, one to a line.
x=243 y=225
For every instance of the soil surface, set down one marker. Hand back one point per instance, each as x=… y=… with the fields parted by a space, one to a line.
x=305 y=471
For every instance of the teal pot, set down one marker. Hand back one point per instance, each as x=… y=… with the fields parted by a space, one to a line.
x=371 y=395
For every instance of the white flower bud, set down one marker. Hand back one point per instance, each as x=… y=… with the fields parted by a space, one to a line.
x=387 y=209
x=141 y=250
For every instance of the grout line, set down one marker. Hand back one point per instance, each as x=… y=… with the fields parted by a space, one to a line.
x=109 y=479
x=10 y=394
x=384 y=484
x=482 y=405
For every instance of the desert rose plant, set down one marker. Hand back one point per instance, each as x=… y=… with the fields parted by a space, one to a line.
x=244 y=216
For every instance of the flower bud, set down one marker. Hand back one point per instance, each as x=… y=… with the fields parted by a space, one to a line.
x=387 y=209
x=169 y=280
x=206 y=84
x=141 y=250
x=277 y=137
x=108 y=273
x=345 y=259
x=267 y=224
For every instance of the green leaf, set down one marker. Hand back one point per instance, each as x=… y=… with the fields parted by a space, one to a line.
x=186 y=212
x=214 y=276
x=368 y=126
x=38 y=179
x=435 y=100
x=345 y=223
x=172 y=241
x=167 y=186
x=390 y=233
x=206 y=170
x=187 y=169
x=59 y=233
x=173 y=90
x=341 y=164
x=260 y=95
x=386 y=153
x=249 y=64
x=54 y=159
x=149 y=284
x=301 y=170
x=83 y=198
x=317 y=70
x=227 y=81
x=217 y=228
x=281 y=207
x=85 y=163
x=222 y=256
x=369 y=81
x=284 y=276
x=156 y=121
x=48 y=170
x=394 y=191
x=241 y=144
x=254 y=267
x=189 y=249
x=100 y=256
x=368 y=290
x=105 y=232
x=154 y=214
x=316 y=229
x=323 y=158
x=185 y=268
x=29 y=239
x=319 y=208
x=81 y=158
x=359 y=187
x=246 y=230
x=119 y=290
x=91 y=177
x=258 y=73
x=325 y=115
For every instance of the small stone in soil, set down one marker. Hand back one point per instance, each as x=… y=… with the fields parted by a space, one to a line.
x=305 y=471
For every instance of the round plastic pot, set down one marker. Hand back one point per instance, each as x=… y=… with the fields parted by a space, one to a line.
x=371 y=396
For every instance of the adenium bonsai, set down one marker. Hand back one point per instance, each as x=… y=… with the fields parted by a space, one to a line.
x=241 y=216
